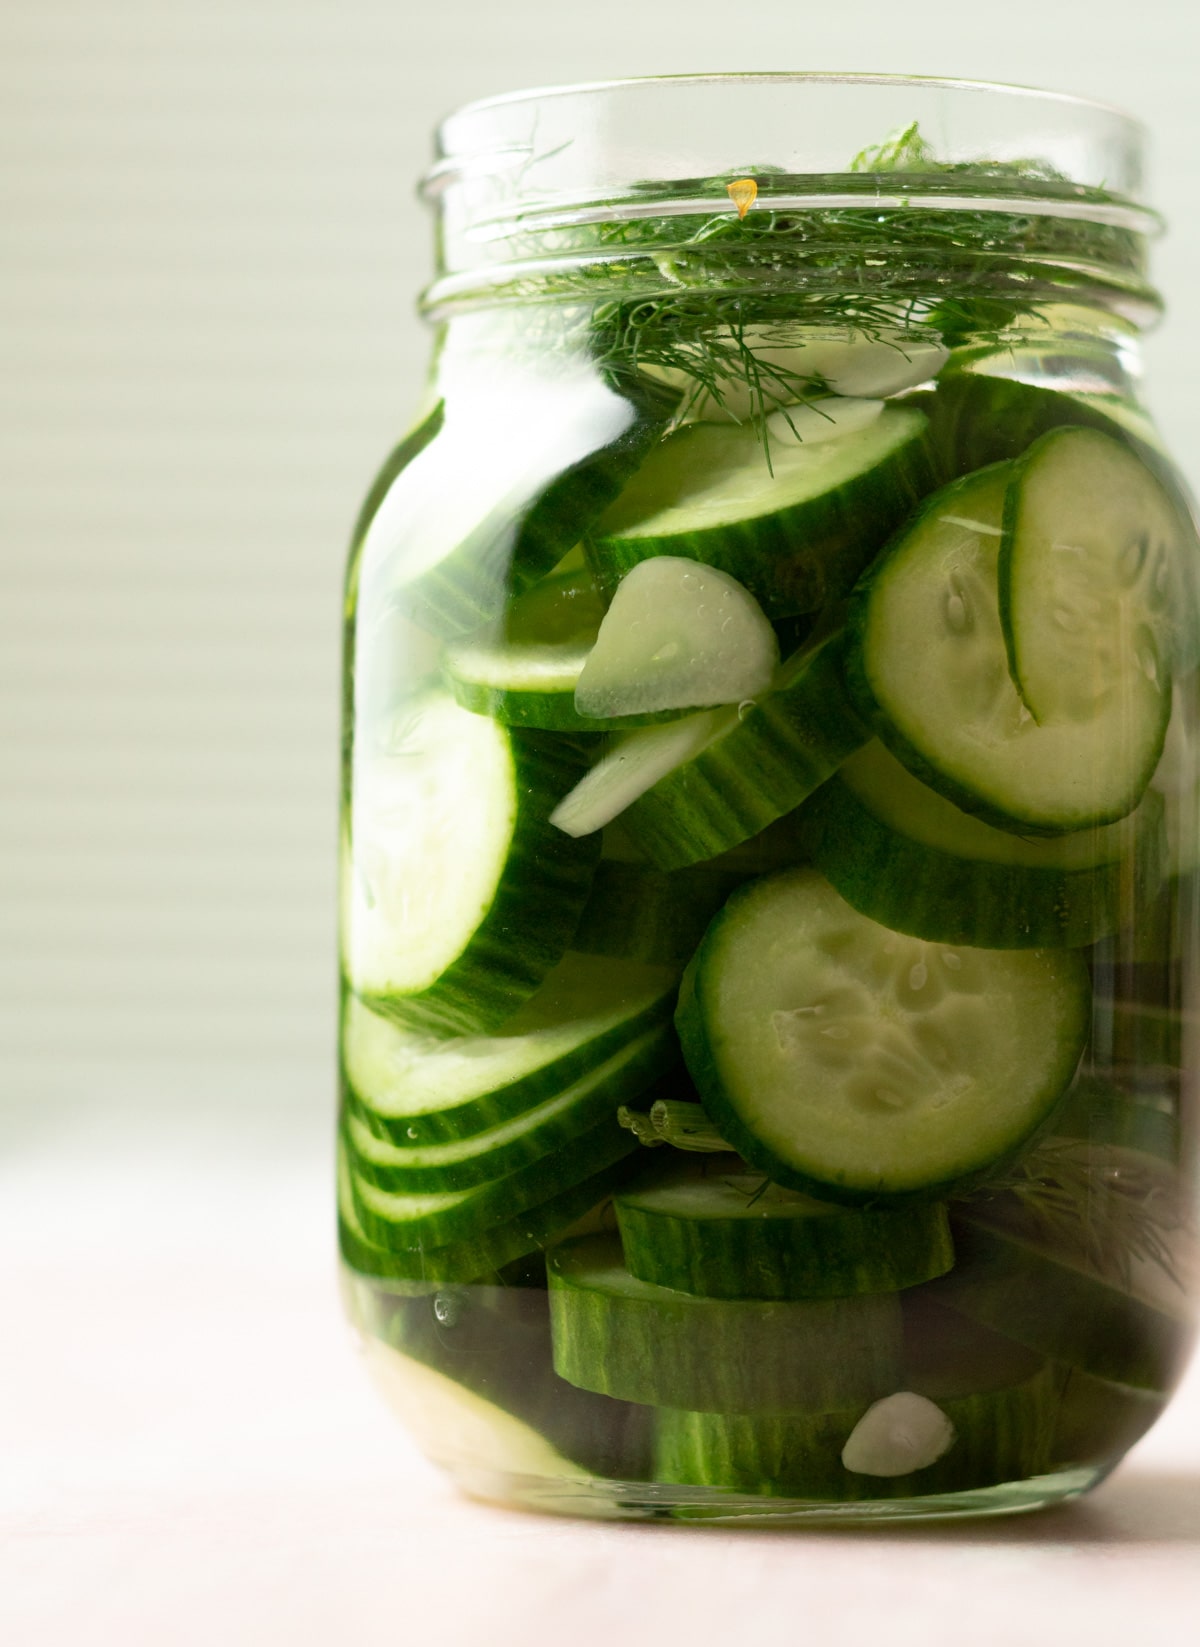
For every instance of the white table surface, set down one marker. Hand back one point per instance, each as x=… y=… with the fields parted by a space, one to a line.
x=190 y=1453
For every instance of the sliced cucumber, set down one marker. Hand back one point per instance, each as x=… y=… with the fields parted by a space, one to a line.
x=842 y=475
x=1098 y=1111
x=1098 y=1421
x=630 y=1339
x=640 y=912
x=518 y=468
x=677 y=636
x=1000 y=1435
x=552 y=1126
x=911 y=860
x=413 y=1221
x=413 y=1090
x=843 y=1059
x=1089 y=584
x=450 y=949
x=999 y=1400
x=1032 y=1285
x=717 y=1230
x=468 y=1256
x=731 y=773
x=929 y=670
x=494 y=1343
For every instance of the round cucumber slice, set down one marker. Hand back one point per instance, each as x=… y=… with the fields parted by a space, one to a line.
x=911 y=860
x=847 y=1060
x=413 y=1089
x=628 y=1338
x=717 y=1230
x=797 y=531
x=450 y=842
x=678 y=635
x=698 y=789
x=1090 y=582
x=929 y=670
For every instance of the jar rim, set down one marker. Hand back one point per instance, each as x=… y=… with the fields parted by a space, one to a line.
x=529 y=94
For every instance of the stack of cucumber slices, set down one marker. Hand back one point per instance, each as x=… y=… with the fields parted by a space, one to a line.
x=825 y=773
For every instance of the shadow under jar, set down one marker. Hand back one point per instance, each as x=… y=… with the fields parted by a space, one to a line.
x=770 y=840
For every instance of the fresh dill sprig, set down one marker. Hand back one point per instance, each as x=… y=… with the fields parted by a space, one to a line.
x=1107 y=1207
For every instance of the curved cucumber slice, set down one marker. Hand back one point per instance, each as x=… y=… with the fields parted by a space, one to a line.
x=797 y=533
x=412 y=1221
x=1098 y=1421
x=1133 y=1329
x=451 y=950
x=719 y=1231
x=1090 y=583
x=1098 y=1112
x=1002 y=1417
x=730 y=773
x=519 y=467
x=640 y=912
x=911 y=860
x=470 y=1256
x=930 y=672
x=841 y=1058
x=412 y=1089
x=628 y=1338
x=677 y=636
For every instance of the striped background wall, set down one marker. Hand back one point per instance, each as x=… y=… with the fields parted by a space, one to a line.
x=209 y=249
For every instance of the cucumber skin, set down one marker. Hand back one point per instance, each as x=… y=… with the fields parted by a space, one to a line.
x=1002 y=1435
x=935 y=895
x=877 y=1250
x=1024 y=1292
x=492 y=1109
x=645 y=1060
x=496 y=1201
x=789 y=743
x=485 y=1252
x=703 y=1069
x=507 y=555
x=496 y=1343
x=639 y=913
x=1096 y=1112
x=718 y=1355
x=507 y=957
x=841 y=530
x=862 y=696
x=543 y=711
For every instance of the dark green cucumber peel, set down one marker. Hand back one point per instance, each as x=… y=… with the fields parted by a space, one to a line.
x=629 y=1339
x=945 y=898
x=476 y=1255
x=765 y=763
x=1002 y=1400
x=614 y=1009
x=637 y=911
x=720 y=1232
x=553 y=1127
x=497 y=971
x=1027 y=1290
x=494 y=1340
x=520 y=542
x=794 y=560
x=1098 y=1421
x=1097 y=1111
x=410 y=1221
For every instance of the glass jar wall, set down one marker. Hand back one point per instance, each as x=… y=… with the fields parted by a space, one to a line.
x=769 y=846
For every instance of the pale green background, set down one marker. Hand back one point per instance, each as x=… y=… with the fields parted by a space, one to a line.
x=209 y=250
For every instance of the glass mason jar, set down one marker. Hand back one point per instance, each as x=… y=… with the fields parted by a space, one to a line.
x=769 y=855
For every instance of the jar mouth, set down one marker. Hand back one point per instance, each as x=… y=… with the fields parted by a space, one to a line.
x=528 y=175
